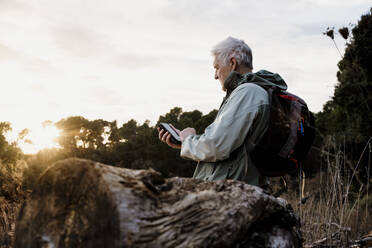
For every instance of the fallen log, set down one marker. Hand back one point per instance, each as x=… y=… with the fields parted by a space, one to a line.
x=81 y=203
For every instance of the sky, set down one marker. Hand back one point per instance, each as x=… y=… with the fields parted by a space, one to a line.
x=122 y=60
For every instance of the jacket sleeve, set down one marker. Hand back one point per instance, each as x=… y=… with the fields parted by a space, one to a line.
x=230 y=128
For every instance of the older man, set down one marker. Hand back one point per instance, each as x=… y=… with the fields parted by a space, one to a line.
x=222 y=151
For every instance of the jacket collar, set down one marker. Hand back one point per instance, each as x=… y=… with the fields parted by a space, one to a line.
x=263 y=78
x=233 y=80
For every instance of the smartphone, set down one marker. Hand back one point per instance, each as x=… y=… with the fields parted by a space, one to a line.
x=175 y=138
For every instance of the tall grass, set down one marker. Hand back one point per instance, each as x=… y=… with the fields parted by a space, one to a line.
x=11 y=197
x=334 y=211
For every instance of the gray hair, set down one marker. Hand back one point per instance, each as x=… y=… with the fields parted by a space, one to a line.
x=233 y=48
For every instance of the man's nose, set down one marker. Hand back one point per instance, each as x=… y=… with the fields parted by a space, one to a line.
x=215 y=76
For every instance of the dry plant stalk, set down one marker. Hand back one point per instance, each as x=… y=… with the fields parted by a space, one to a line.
x=332 y=215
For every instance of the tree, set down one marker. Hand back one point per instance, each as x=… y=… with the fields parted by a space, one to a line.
x=350 y=110
x=72 y=132
x=128 y=130
x=95 y=132
x=9 y=152
x=347 y=116
x=9 y=169
x=352 y=94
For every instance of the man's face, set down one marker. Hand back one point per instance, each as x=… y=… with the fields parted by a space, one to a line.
x=221 y=71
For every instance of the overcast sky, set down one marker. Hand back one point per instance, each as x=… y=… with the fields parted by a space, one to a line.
x=119 y=60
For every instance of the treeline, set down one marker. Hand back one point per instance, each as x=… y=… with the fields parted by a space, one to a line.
x=131 y=145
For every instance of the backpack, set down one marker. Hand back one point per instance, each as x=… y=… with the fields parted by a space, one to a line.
x=289 y=136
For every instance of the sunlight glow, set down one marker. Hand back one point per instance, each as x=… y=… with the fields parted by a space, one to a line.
x=43 y=136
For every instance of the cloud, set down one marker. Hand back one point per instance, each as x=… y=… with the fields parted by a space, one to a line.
x=103 y=96
x=79 y=41
x=84 y=43
x=14 y=6
x=7 y=53
x=132 y=61
x=261 y=19
x=21 y=65
x=38 y=65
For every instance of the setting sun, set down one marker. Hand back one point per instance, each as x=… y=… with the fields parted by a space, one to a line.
x=39 y=138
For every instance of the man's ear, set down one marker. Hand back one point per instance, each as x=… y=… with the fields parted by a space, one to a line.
x=233 y=64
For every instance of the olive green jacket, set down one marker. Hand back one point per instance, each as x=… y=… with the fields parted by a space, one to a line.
x=222 y=151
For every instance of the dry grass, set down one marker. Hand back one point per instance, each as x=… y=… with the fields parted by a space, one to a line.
x=8 y=212
x=11 y=197
x=334 y=213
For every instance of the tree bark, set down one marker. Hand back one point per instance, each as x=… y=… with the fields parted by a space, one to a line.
x=81 y=203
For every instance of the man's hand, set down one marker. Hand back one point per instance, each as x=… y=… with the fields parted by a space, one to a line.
x=165 y=137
